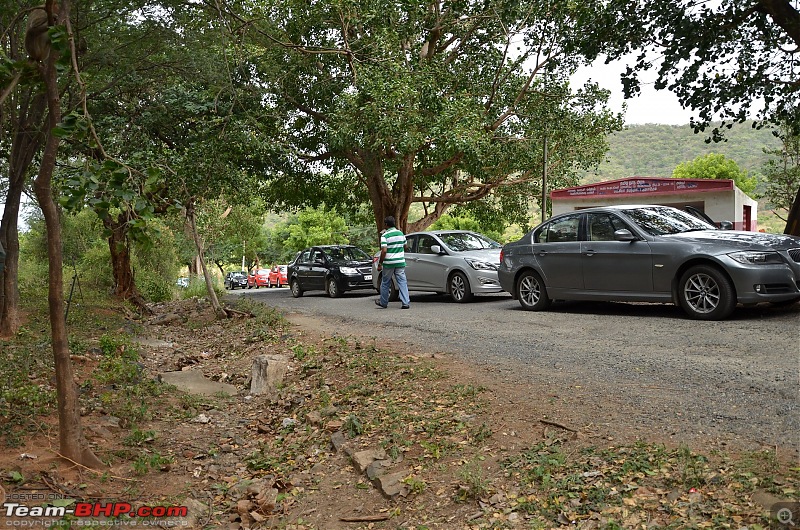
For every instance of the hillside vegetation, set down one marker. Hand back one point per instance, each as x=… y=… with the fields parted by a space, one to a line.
x=654 y=150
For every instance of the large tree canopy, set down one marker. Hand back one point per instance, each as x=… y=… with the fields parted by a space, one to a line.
x=434 y=103
x=724 y=59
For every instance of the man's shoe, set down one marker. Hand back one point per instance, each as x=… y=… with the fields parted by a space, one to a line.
x=378 y=303
x=405 y=307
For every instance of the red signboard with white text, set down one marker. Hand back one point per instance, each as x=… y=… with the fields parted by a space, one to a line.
x=642 y=186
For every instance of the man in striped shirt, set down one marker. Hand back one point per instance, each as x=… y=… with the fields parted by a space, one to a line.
x=392 y=262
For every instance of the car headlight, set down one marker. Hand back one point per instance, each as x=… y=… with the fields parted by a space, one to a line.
x=348 y=270
x=749 y=257
x=480 y=265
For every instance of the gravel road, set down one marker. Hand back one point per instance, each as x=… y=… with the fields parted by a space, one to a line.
x=644 y=369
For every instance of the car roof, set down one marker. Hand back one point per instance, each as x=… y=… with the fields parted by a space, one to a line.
x=442 y=232
x=325 y=247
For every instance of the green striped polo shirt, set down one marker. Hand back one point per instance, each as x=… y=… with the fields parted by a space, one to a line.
x=395 y=242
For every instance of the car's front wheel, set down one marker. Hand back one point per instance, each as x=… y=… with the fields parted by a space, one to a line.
x=297 y=292
x=705 y=293
x=531 y=292
x=459 y=288
x=333 y=288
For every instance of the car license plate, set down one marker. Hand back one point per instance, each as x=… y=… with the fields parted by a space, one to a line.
x=368 y=276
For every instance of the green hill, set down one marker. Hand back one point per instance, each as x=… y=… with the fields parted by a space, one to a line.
x=654 y=150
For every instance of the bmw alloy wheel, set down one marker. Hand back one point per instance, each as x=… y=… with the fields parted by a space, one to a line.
x=531 y=292
x=706 y=293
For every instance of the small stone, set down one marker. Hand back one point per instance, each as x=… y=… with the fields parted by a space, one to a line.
x=338 y=440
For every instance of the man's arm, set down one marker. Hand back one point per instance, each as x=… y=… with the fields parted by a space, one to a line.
x=381 y=258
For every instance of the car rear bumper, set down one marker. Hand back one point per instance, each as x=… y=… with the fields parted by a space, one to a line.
x=506 y=280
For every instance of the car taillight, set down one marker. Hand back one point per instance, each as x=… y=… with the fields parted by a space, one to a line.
x=501 y=255
x=374 y=259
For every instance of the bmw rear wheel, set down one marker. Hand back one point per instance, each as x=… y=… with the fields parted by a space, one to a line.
x=531 y=292
x=705 y=293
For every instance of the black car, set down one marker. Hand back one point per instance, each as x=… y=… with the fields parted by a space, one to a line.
x=331 y=268
x=236 y=279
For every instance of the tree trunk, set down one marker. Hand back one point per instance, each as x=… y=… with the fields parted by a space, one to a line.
x=9 y=286
x=793 y=221
x=25 y=143
x=438 y=210
x=119 y=247
x=212 y=294
x=72 y=444
x=385 y=201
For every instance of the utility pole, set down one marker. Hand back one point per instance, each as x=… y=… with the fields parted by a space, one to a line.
x=544 y=179
x=244 y=242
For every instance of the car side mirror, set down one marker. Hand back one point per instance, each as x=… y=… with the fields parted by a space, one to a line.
x=624 y=235
x=725 y=225
x=436 y=249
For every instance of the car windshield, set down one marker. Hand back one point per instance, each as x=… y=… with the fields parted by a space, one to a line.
x=345 y=254
x=663 y=220
x=463 y=241
x=237 y=275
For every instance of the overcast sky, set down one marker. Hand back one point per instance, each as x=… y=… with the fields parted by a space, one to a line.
x=651 y=106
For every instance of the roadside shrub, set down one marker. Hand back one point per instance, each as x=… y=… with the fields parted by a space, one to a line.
x=197 y=288
x=153 y=287
x=94 y=270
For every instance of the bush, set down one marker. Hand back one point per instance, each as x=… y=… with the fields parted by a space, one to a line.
x=153 y=287
x=94 y=269
x=197 y=288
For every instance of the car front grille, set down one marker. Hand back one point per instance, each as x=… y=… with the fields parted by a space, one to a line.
x=365 y=270
x=795 y=254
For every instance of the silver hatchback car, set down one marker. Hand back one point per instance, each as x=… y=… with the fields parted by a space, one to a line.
x=650 y=253
x=457 y=262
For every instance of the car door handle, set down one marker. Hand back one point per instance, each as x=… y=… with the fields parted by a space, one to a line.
x=589 y=253
x=542 y=253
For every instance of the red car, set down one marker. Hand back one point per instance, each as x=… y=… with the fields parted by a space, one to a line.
x=258 y=278
x=277 y=276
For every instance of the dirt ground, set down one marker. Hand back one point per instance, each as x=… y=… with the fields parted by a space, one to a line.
x=469 y=447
